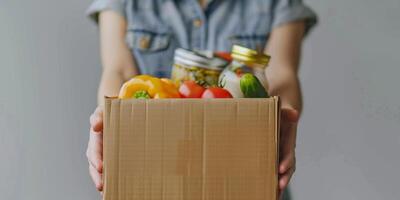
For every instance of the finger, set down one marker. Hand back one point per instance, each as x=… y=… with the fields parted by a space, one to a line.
x=95 y=151
x=285 y=178
x=288 y=138
x=290 y=115
x=96 y=177
x=96 y=123
x=289 y=161
x=96 y=120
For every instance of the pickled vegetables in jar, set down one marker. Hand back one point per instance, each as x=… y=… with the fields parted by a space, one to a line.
x=244 y=61
x=197 y=66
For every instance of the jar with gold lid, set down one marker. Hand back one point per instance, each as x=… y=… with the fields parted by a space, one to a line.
x=245 y=60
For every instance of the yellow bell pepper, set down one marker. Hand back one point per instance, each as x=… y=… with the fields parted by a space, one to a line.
x=146 y=87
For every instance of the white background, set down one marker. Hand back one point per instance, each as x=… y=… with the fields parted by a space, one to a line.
x=348 y=140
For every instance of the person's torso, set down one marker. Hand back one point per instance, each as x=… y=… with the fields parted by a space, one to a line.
x=157 y=27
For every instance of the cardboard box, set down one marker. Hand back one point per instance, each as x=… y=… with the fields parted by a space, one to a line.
x=188 y=149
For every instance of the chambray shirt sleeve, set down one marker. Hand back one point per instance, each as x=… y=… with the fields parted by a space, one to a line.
x=286 y=11
x=97 y=6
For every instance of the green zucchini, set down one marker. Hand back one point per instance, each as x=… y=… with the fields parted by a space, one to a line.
x=252 y=87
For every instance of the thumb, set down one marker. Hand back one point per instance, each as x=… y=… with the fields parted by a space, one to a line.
x=290 y=115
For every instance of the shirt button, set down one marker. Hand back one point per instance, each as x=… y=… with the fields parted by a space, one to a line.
x=197 y=22
x=144 y=43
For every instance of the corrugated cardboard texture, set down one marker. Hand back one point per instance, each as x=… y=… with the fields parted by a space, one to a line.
x=188 y=149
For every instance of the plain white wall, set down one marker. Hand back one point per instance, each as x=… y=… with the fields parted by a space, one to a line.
x=349 y=137
x=48 y=80
x=348 y=143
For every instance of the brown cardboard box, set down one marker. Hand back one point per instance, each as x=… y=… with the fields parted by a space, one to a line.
x=188 y=149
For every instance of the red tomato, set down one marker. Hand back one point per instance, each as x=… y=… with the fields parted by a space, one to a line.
x=190 y=89
x=215 y=92
x=224 y=55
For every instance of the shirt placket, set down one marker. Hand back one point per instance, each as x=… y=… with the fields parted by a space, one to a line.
x=198 y=31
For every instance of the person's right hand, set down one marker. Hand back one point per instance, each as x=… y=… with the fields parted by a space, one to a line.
x=94 y=151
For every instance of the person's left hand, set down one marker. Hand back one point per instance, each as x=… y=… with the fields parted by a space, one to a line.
x=287 y=157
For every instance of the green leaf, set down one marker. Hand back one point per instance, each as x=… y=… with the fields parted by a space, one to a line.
x=141 y=94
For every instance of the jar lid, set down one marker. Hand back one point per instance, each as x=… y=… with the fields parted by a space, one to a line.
x=249 y=55
x=191 y=55
x=199 y=59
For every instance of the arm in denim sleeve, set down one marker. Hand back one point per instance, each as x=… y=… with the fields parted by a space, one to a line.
x=100 y=5
x=286 y=11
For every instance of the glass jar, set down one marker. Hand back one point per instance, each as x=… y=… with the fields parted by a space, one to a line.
x=197 y=66
x=244 y=61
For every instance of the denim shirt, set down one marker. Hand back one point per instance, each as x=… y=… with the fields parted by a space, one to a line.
x=157 y=27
